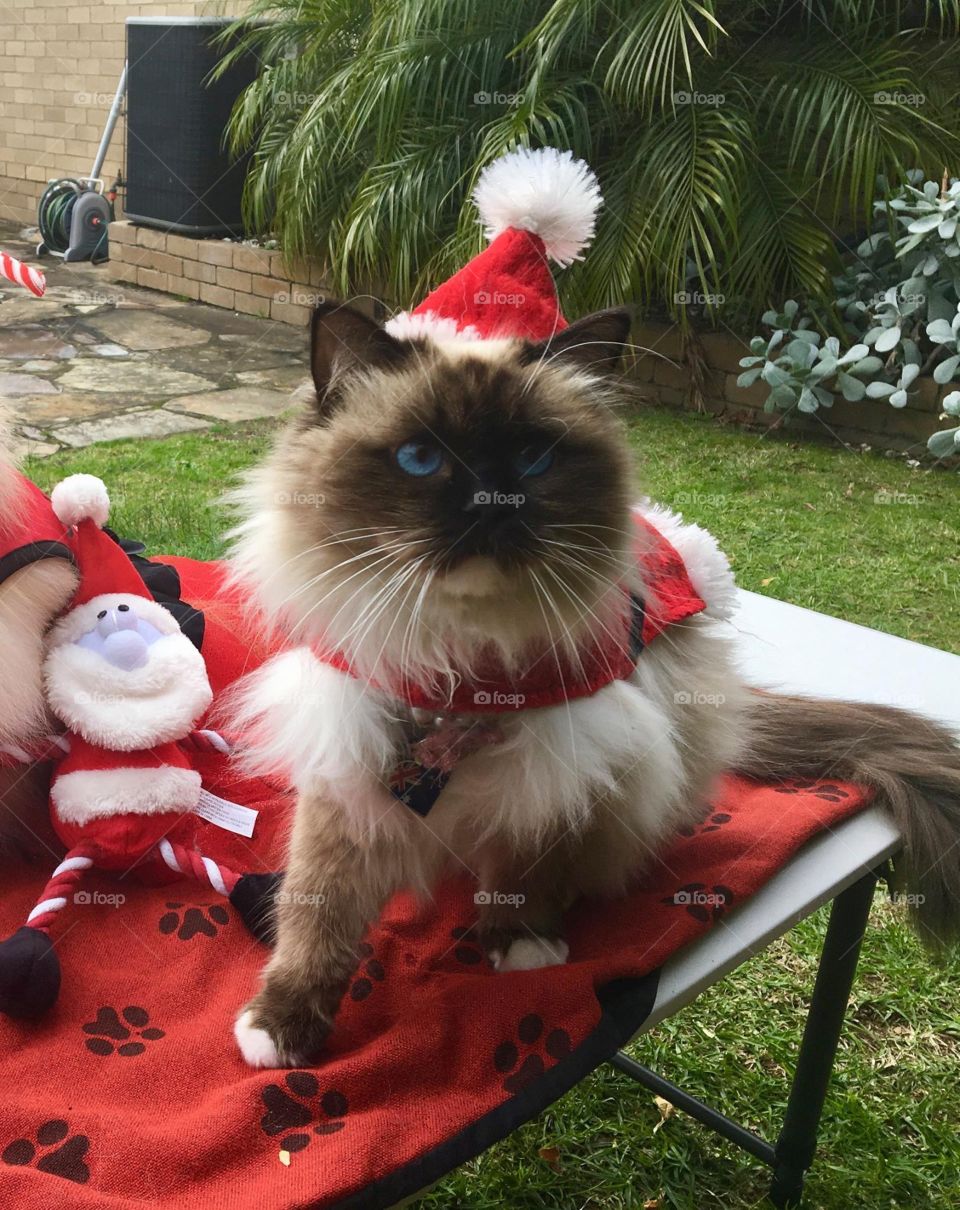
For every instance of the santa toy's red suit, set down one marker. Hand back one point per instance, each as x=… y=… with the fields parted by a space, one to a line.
x=128 y=684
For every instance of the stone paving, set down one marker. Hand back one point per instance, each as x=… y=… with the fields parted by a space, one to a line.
x=95 y=360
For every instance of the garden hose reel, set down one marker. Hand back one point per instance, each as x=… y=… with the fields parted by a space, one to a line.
x=73 y=214
x=73 y=217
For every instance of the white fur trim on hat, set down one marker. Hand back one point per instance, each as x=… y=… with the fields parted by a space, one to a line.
x=428 y=324
x=80 y=498
x=88 y=794
x=547 y=192
x=707 y=566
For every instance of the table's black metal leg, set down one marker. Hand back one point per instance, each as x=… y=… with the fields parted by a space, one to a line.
x=795 y=1148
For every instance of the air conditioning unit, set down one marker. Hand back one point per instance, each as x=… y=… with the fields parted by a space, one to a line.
x=180 y=176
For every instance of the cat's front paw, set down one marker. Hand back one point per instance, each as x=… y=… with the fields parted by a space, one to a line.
x=530 y=953
x=277 y=1032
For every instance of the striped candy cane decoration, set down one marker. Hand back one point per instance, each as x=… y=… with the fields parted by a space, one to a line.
x=23 y=275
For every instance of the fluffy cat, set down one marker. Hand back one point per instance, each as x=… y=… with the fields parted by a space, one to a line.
x=373 y=530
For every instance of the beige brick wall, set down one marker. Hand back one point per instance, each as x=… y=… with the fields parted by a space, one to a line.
x=254 y=281
x=60 y=61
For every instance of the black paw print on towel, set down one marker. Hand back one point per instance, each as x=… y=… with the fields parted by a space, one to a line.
x=712 y=822
x=203 y=921
x=530 y=1031
x=466 y=951
x=826 y=790
x=369 y=973
x=300 y=1110
x=65 y=1160
x=125 y=1033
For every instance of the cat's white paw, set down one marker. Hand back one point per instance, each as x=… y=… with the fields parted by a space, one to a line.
x=256 y=1045
x=532 y=953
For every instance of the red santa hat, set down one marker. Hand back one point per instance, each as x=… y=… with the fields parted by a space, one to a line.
x=82 y=505
x=119 y=670
x=536 y=207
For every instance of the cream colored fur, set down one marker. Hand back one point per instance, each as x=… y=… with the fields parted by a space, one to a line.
x=29 y=601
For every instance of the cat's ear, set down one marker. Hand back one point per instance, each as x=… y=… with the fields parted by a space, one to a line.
x=596 y=342
x=343 y=340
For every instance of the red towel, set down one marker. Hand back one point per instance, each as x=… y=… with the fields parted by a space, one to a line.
x=132 y=1093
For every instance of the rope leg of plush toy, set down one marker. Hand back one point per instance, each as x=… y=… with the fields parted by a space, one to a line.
x=252 y=895
x=29 y=966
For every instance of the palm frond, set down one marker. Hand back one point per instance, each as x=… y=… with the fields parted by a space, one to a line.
x=733 y=138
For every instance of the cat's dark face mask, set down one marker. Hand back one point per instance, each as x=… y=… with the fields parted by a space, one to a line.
x=507 y=453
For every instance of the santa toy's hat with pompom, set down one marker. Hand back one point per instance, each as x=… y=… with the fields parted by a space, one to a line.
x=105 y=652
x=82 y=505
x=536 y=207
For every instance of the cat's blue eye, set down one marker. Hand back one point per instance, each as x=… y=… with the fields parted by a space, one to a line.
x=533 y=461
x=419 y=458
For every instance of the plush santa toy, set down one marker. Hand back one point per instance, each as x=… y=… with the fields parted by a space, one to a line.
x=129 y=687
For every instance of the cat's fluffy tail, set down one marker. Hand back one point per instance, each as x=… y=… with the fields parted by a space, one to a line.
x=913 y=765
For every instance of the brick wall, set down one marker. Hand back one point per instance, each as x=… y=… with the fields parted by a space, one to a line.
x=60 y=61
x=254 y=281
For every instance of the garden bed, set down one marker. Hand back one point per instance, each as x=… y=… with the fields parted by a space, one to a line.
x=666 y=378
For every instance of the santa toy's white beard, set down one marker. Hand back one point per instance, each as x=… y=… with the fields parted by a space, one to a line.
x=129 y=709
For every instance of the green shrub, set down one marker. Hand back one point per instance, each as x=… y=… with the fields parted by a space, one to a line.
x=732 y=138
x=898 y=295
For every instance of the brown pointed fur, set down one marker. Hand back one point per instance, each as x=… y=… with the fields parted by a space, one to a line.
x=911 y=762
x=332 y=474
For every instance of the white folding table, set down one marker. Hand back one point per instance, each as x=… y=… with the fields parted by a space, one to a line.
x=795 y=650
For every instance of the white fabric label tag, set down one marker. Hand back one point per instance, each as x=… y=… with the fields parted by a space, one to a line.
x=230 y=816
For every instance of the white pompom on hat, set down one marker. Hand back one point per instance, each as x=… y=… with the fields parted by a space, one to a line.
x=81 y=498
x=545 y=192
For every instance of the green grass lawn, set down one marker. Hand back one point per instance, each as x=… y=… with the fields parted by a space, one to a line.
x=807 y=524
